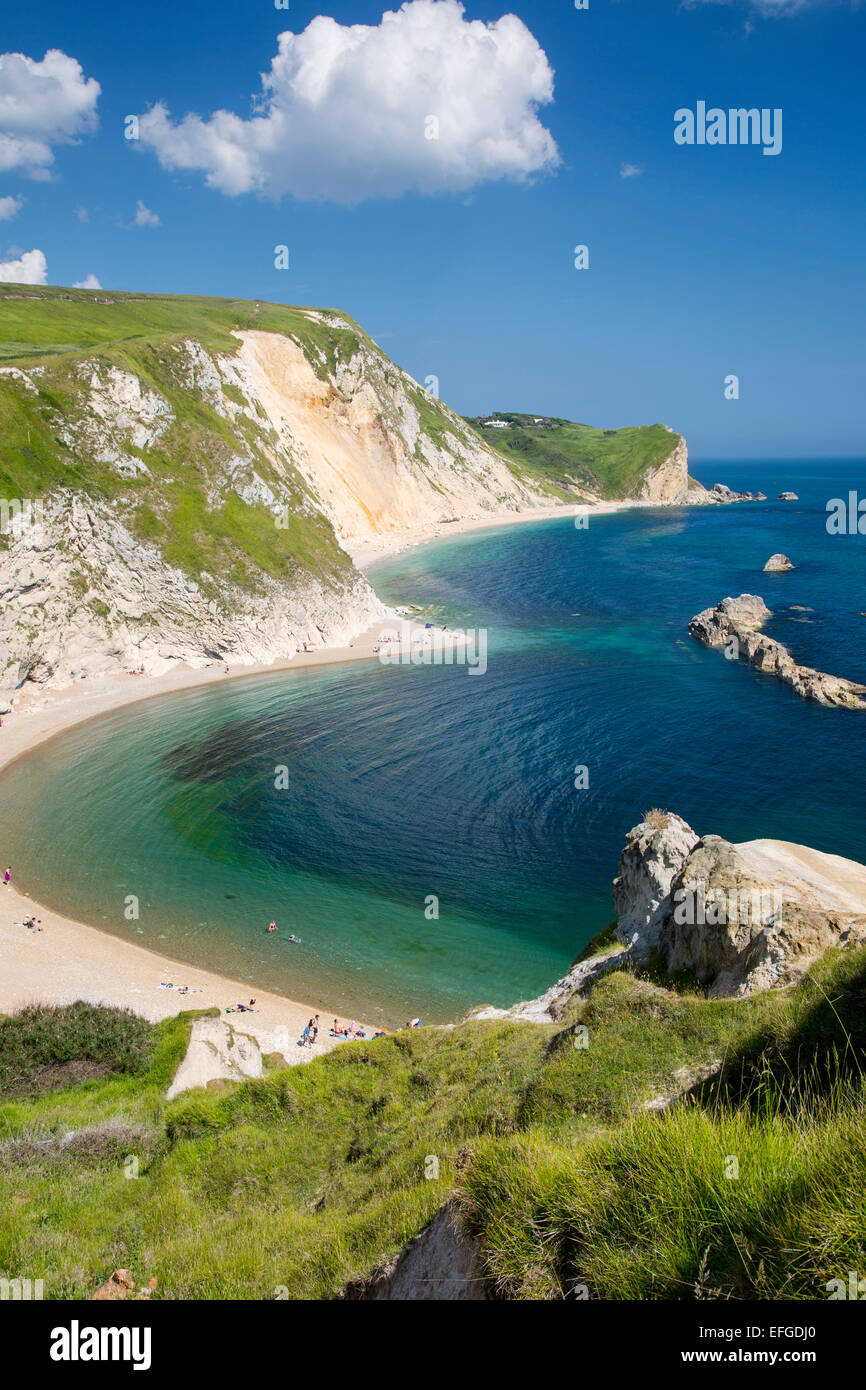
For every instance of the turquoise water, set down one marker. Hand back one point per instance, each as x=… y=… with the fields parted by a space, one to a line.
x=407 y=782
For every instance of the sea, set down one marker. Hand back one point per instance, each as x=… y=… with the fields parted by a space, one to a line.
x=439 y=837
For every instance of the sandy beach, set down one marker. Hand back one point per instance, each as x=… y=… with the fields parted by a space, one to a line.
x=370 y=550
x=70 y=960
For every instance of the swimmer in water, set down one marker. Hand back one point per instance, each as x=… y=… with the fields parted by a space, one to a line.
x=272 y=926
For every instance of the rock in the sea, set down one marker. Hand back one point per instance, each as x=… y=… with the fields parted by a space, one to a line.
x=777 y=563
x=718 y=495
x=788 y=497
x=734 y=623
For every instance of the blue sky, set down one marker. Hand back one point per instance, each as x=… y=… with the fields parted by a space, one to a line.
x=708 y=261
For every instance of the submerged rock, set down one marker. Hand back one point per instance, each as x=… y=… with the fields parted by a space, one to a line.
x=777 y=563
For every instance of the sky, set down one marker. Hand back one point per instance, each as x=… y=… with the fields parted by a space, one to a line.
x=431 y=170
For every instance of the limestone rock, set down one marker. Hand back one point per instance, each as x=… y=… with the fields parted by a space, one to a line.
x=654 y=852
x=788 y=497
x=442 y=1264
x=734 y=624
x=741 y=917
x=777 y=563
x=216 y=1052
x=756 y=915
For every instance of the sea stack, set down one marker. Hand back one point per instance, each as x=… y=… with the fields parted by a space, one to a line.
x=788 y=497
x=777 y=563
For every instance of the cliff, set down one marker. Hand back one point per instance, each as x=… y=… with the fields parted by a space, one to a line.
x=179 y=478
x=182 y=479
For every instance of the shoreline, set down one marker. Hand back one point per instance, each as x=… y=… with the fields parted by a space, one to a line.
x=83 y=962
x=371 y=550
x=71 y=959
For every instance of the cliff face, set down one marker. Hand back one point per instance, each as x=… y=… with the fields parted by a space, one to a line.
x=84 y=597
x=378 y=453
x=181 y=480
x=190 y=504
x=668 y=482
x=740 y=917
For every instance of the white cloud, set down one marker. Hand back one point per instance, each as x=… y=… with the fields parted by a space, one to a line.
x=91 y=283
x=144 y=217
x=42 y=103
x=31 y=268
x=9 y=207
x=345 y=111
x=629 y=171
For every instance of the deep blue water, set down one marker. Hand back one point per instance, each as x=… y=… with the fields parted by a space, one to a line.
x=412 y=781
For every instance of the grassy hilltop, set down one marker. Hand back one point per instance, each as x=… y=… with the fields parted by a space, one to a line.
x=57 y=330
x=565 y=457
x=565 y=1161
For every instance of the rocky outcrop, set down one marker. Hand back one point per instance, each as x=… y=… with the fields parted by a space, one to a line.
x=668 y=481
x=442 y=1264
x=740 y=917
x=669 y=484
x=655 y=852
x=778 y=563
x=216 y=1052
x=756 y=915
x=788 y=497
x=718 y=495
x=734 y=623
x=80 y=596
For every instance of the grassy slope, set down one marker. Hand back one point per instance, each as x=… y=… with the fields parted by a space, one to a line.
x=564 y=456
x=316 y=1174
x=56 y=329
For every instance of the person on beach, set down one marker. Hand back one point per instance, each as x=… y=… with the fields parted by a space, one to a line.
x=7 y=877
x=315 y=1022
x=307 y=1036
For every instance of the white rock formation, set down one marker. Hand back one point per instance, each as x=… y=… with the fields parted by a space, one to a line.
x=80 y=597
x=216 y=1052
x=734 y=624
x=741 y=917
x=441 y=1265
x=778 y=563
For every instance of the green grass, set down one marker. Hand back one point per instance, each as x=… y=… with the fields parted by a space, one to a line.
x=566 y=457
x=315 y=1176
x=181 y=504
x=38 y=323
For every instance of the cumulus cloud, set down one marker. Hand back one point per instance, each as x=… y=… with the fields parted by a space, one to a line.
x=90 y=283
x=425 y=101
x=42 y=104
x=9 y=207
x=144 y=217
x=31 y=268
x=629 y=171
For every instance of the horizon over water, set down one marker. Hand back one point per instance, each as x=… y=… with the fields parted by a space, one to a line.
x=406 y=782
